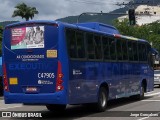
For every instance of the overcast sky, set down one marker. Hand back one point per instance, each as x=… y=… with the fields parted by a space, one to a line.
x=54 y=9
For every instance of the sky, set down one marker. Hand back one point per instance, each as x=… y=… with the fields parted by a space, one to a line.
x=55 y=9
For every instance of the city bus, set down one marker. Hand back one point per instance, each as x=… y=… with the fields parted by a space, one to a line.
x=58 y=64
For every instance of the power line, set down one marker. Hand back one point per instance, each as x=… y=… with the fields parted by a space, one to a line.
x=133 y=3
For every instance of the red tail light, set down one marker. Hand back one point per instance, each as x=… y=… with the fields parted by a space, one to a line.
x=117 y=36
x=5 y=79
x=59 y=81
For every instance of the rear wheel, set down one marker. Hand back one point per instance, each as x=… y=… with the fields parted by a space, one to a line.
x=141 y=95
x=101 y=105
x=56 y=108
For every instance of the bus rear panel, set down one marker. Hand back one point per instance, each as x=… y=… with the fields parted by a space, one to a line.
x=31 y=67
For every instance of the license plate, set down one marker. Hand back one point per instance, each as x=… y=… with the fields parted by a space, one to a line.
x=31 y=89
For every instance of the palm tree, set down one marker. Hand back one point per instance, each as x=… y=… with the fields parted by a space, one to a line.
x=24 y=11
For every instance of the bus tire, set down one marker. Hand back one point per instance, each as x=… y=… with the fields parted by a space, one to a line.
x=101 y=105
x=141 y=95
x=55 y=107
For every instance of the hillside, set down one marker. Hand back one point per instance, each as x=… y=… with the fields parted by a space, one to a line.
x=107 y=19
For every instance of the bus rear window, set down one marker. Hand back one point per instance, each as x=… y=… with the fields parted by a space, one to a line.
x=27 y=37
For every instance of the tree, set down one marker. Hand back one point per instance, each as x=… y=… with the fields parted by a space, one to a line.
x=24 y=11
x=149 y=32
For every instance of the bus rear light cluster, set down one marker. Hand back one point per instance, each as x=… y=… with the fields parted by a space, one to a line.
x=59 y=82
x=5 y=80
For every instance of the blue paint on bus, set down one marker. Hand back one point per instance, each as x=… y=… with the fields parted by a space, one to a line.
x=0 y=66
x=55 y=78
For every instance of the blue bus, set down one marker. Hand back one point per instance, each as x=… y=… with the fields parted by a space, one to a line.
x=56 y=64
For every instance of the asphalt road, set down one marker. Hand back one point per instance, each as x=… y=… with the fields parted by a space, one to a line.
x=121 y=109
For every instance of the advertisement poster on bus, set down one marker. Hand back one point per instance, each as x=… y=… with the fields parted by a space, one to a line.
x=27 y=37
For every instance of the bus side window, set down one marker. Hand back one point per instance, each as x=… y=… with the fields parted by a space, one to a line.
x=124 y=49
x=135 y=52
x=71 y=43
x=142 y=51
x=130 y=50
x=80 y=45
x=98 y=47
x=119 y=49
x=90 y=46
x=106 y=50
x=112 y=46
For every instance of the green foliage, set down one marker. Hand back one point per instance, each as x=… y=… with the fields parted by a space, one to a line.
x=24 y=11
x=149 y=32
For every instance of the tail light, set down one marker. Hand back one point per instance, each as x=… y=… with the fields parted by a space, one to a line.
x=5 y=79
x=117 y=35
x=59 y=82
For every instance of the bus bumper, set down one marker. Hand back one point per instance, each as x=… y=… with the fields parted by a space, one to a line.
x=45 y=98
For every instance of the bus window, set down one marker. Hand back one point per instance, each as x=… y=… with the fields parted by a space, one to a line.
x=141 y=48
x=112 y=47
x=130 y=50
x=71 y=43
x=124 y=50
x=106 y=51
x=80 y=44
x=90 y=46
x=135 y=52
x=119 y=49
x=98 y=47
x=144 y=52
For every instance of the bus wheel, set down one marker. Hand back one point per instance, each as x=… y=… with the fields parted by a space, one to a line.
x=101 y=105
x=141 y=96
x=56 y=108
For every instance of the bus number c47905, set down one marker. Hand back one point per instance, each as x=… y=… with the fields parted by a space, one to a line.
x=46 y=75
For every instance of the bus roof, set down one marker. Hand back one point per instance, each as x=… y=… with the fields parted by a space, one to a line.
x=88 y=26
x=32 y=21
x=100 y=27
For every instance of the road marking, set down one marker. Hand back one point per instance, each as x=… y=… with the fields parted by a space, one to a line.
x=10 y=107
x=153 y=94
x=143 y=118
x=149 y=92
x=151 y=100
